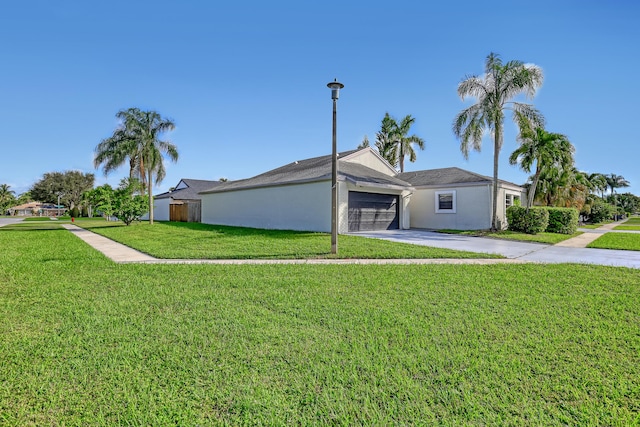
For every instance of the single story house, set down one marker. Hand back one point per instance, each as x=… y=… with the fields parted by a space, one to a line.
x=182 y=203
x=371 y=196
x=453 y=198
x=37 y=209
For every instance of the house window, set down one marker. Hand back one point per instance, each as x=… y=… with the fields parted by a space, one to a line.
x=445 y=202
x=511 y=199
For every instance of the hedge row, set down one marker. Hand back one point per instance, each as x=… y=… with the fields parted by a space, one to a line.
x=538 y=219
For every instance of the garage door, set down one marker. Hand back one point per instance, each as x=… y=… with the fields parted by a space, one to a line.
x=371 y=211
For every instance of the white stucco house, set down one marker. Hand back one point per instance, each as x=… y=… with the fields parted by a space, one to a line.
x=371 y=196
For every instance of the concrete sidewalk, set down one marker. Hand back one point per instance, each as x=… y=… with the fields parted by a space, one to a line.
x=123 y=254
x=588 y=235
x=516 y=252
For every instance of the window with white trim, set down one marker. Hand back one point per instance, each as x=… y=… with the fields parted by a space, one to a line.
x=445 y=201
x=511 y=199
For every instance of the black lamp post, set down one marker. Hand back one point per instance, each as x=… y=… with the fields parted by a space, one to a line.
x=335 y=93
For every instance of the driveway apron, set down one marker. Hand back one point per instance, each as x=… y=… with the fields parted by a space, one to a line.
x=533 y=252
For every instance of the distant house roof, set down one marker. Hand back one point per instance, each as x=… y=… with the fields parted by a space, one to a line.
x=447 y=176
x=188 y=189
x=311 y=170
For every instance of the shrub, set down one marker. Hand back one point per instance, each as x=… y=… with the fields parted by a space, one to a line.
x=74 y=212
x=562 y=220
x=531 y=221
x=600 y=211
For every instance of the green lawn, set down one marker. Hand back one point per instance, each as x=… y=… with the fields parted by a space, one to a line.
x=624 y=241
x=549 y=238
x=202 y=241
x=632 y=223
x=84 y=341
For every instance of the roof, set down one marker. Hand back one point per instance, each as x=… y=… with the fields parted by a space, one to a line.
x=190 y=191
x=311 y=170
x=447 y=176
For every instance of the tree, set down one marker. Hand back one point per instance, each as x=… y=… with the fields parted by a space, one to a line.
x=100 y=199
x=615 y=181
x=384 y=140
x=394 y=142
x=7 y=198
x=128 y=204
x=69 y=185
x=545 y=149
x=494 y=92
x=598 y=183
x=137 y=139
x=364 y=143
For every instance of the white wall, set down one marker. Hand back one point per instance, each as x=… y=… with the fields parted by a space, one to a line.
x=369 y=159
x=288 y=207
x=473 y=209
x=160 y=210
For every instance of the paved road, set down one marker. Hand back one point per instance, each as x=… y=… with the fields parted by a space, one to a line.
x=5 y=221
x=534 y=252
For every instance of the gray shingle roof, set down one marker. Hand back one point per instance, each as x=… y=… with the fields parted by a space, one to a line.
x=446 y=176
x=194 y=187
x=310 y=170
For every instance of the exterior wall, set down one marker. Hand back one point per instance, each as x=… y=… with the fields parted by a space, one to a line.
x=369 y=159
x=289 y=207
x=472 y=209
x=160 y=210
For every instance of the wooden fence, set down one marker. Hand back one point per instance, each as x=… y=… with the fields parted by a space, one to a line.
x=185 y=212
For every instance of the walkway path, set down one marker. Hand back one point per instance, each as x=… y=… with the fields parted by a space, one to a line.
x=122 y=254
x=516 y=252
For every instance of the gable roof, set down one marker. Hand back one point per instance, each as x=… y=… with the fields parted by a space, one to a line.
x=190 y=190
x=447 y=176
x=311 y=170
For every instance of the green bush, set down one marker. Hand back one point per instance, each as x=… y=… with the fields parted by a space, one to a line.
x=531 y=221
x=75 y=212
x=562 y=220
x=600 y=211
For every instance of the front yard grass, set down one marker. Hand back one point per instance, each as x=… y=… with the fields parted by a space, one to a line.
x=624 y=241
x=181 y=240
x=84 y=341
x=632 y=223
x=549 y=238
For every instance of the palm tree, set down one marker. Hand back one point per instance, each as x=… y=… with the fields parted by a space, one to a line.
x=404 y=142
x=615 y=181
x=394 y=143
x=598 y=183
x=543 y=148
x=494 y=92
x=138 y=139
x=7 y=196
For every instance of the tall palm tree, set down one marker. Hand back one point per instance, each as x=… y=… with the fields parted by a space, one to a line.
x=394 y=142
x=7 y=196
x=404 y=142
x=615 y=181
x=543 y=148
x=494 y=92
x=138 y=139
x=598 y=183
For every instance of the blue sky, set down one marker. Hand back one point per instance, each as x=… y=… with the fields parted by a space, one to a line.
x=246 y=81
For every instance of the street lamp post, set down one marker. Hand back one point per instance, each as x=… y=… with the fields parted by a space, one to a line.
x=335 y=93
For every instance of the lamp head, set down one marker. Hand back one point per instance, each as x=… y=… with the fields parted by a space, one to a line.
x=335 y=87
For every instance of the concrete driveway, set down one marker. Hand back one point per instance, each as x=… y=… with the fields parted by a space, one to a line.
x=534 y=252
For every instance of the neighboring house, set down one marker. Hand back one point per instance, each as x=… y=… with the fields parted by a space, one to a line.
x=371 y=196
x=184 y=198
x=36 y=209
x=453 y=198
